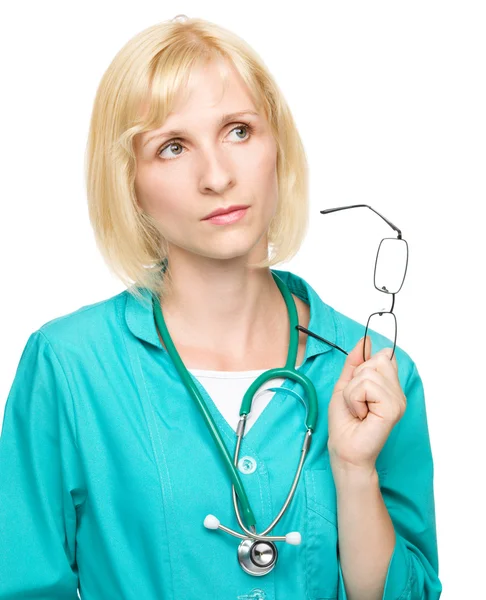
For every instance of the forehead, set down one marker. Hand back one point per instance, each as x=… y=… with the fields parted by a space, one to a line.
x=209 y=89
x=213 y=88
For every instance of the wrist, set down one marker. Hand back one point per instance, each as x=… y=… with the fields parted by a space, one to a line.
x=348 y=474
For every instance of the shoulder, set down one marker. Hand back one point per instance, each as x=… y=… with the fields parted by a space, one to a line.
x=87 y=325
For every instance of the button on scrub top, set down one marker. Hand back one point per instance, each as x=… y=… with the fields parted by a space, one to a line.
x=107 y=470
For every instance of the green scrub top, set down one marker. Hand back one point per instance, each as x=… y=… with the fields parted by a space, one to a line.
x=107 y=470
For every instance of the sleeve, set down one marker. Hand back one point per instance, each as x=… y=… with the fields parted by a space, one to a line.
x=41 y=487
x=408 y=492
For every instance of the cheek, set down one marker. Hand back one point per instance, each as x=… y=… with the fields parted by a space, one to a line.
x=268 y=180
x=161 y=197
x=157 y=195
x=263 y=171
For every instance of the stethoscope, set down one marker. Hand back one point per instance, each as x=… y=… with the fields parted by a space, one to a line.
x=257 y=553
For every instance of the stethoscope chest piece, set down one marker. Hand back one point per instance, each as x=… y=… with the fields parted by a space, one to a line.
x=257 y=557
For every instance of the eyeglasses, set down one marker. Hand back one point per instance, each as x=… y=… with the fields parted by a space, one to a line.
x=390 y=270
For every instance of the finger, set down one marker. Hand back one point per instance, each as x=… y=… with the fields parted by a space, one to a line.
x=370 y=396
x=353 y=360
x=373 y=375
x=381 y=362
x=384 y=374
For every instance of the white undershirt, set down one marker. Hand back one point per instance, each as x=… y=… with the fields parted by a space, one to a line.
x=227 y=389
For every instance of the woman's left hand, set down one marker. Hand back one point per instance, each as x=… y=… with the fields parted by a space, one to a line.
x=366 y=403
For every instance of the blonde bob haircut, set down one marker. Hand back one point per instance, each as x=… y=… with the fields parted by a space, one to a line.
x=147 y=75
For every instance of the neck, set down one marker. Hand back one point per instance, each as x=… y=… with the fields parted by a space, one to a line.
x=223 y=310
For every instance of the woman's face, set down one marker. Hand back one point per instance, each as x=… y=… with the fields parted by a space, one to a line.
x=182 y=178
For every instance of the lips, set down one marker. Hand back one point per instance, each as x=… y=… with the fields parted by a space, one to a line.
x=225 y=211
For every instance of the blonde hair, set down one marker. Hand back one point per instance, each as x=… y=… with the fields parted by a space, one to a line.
x=151 y=70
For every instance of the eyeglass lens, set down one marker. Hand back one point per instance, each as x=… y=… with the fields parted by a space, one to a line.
x=390 y=271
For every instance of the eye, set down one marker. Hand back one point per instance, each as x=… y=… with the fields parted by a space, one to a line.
x=246 y=127
x=176 y=143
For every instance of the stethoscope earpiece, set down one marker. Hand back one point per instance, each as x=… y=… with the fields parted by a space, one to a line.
x=211 y=522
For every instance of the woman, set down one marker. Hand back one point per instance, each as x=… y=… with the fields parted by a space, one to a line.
x=108 y=470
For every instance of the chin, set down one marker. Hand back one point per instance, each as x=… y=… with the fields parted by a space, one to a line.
x=230 y=251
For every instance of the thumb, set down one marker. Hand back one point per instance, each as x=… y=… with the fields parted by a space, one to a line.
x=353 y=360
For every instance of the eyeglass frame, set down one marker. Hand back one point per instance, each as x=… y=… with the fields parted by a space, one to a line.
x=399 y=237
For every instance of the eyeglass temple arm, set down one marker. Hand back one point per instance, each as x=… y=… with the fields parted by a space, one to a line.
x=329 y=210
x=318 y=337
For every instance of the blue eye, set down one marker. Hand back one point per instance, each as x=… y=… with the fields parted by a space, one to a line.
x=246 y=127
x=169 y=145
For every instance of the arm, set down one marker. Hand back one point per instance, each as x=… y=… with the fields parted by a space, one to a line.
x=366 y=534
x=40 y=481
x=387 y=529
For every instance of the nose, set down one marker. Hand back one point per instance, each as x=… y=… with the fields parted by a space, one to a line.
x=217 y=172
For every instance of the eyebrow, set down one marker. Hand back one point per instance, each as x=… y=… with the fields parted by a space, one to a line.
x=181 y=132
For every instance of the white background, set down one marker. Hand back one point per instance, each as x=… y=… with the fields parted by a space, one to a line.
x=390 y=101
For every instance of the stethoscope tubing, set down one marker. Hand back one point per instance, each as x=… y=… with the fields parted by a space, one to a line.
x=238 y=491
